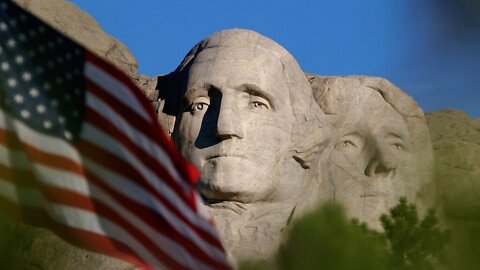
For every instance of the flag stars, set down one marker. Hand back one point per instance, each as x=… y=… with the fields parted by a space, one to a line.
x=12 y=82
x=3 y=26
x=47 y=124
x=67 y=135
x=19 y=59
x=34 y=92
x=25 y=114
x=41 y=108
x=26 y=76
x=43 y=72
x=11 y=43
x=18 y=98
x=5 y=66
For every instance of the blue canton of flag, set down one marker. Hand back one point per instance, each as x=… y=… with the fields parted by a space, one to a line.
x=43 y=83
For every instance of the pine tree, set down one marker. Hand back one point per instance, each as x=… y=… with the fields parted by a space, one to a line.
x=414 y=244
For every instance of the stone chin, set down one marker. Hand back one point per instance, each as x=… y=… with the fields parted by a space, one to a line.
x=235 y=179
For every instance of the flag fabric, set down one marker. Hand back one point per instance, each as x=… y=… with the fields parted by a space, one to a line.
x=82 y=154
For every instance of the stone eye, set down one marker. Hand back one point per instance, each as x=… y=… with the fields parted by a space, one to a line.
x=258 y=102
x=347 y=143
x=397 y=146
x=198 y=107
x=199 y=104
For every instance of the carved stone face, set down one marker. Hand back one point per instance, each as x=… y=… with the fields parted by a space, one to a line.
x=381 y=148
x=250 y=124
x=371 y=157
x=237 y=122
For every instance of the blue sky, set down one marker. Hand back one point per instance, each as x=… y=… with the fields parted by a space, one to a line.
x=430 y=51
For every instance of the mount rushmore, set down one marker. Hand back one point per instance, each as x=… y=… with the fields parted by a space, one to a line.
x=272 y=142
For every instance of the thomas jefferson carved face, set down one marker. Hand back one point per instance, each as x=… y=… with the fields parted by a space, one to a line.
x=375 y=159
x=371 y=154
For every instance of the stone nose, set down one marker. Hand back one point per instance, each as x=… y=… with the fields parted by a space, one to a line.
x=229 y=122
x=382 y=160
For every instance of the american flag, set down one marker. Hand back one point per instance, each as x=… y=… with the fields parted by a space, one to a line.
x=81 y=153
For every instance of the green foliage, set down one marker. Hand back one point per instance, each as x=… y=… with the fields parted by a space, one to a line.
x=464 y=249
x=328 y=239
x=15 y=240
x=325 y=239
x=6 y=230
x=414 y=244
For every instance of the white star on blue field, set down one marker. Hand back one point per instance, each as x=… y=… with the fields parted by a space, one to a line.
x=41 y=78
x=427 y=48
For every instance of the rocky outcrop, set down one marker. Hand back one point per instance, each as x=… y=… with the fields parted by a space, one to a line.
x=456 y=143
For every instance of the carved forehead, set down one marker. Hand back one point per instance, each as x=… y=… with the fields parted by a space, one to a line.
x=233 y=67
x=336 y=94
x=245 y=45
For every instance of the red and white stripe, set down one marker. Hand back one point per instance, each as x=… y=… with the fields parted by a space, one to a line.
x=122 y=189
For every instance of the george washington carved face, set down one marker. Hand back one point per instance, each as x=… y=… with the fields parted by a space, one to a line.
x=236 y=123
x=247 y=119
x=244 y=95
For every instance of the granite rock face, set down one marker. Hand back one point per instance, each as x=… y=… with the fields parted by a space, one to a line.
x=456 y=143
